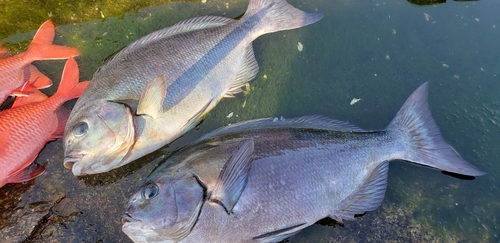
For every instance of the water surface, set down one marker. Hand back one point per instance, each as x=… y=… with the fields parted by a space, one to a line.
x=376 y=51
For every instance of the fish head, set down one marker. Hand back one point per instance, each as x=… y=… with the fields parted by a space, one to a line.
x=164 y=208
x=98 y=137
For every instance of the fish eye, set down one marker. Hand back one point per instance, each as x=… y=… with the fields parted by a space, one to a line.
x=150 y=191
x=80 y=129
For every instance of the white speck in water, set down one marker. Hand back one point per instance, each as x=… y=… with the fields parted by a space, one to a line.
x=477 y=19
x=50 y=14
x=389 y=17
x=203 y=1
x=393 y=31
x=244 y=104
x=227 y=5
x=300 y=46
x=275 y=119
x=105 y=33
x=387 y=57
x=427 y=16
x=494 y=26
x=281 y=118
x=354 y=101
x=264 y=76
x=482 y=69
x=456 y=76
x=456 y=204
x=375 y=74
x=102 y=15
x=230 y=115
x=445 y=65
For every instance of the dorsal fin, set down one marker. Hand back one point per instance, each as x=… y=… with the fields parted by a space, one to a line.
x=312 y=122
x=368 y=197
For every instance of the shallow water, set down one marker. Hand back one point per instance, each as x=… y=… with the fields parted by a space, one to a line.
x=376 y=51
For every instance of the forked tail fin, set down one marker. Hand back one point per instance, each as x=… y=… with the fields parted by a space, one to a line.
x=41 y=48
x=70 y=88
x=426 y=146
x=279 y=15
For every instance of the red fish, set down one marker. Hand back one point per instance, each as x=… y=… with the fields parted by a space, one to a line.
x=24 y=130
x=17 y=70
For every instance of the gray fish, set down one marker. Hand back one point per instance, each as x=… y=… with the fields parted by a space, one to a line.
x=160 y=86
x=265 y=180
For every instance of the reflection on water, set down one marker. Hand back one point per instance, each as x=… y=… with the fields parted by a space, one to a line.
x=376 y=51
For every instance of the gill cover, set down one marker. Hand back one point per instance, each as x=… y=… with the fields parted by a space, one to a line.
x=165 y=209
x=99 y=143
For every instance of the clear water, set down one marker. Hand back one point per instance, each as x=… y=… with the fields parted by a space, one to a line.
x=376 y=51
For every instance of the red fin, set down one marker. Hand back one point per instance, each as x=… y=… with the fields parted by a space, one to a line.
x=62 y=117
x=29 y=172
x=38 y=79
x=69 y=87
x=4 y=52
x=33 y=95
x=41 y=48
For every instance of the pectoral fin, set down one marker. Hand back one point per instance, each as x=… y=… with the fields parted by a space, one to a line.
x=233 y=177
x=151 y=101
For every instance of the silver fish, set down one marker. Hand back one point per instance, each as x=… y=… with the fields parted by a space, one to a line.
x=265 y=180
x=160 y=86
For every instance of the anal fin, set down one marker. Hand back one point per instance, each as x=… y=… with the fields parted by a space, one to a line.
x=248 y=70
x=368 y=197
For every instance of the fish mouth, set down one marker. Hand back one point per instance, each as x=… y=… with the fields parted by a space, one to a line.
x=71 y=160
x=126 y=218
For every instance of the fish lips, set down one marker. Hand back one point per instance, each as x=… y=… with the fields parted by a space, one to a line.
x=72 y=162
x=126 y=218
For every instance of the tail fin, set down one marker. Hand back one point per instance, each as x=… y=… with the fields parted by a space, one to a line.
x=70 y=88
x=279 y=15
x=41 y=48
x=414 y=122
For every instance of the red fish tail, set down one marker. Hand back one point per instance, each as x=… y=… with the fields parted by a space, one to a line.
x=70 y=88
x=41 y=48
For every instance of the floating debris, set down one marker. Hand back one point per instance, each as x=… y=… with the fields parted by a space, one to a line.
x=393 y=31
x=354 y=101
x=427 y=16
x=230 y=115
x=300 y=46
x=264 y=76
x=375 y=74
x=275 y=119
x=482 y=69
x=477 y=20
x=387 y=57
x=445 y=65
x=456 y=76
x=244 y=104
